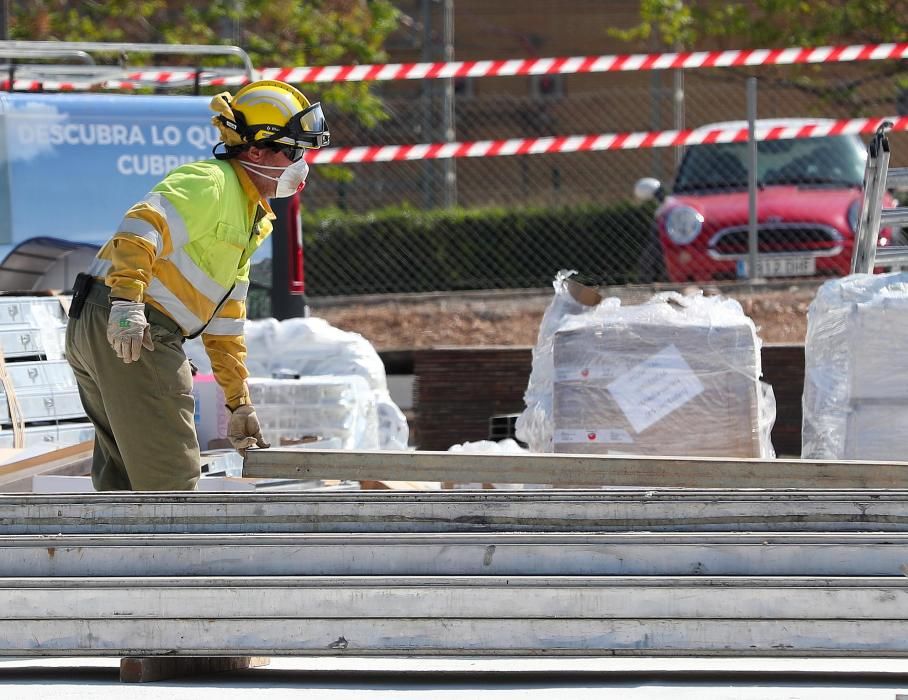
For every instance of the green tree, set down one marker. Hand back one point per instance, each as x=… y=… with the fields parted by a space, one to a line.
x=273 y=33
x=770 y=23
x=783 y=23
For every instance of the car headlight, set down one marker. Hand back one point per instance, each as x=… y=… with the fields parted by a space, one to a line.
x=854 y=214
x=683 y=224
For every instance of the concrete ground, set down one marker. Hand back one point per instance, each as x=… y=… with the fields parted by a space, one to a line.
x=450 y=679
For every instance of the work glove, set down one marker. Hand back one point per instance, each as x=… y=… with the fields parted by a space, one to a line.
x=127 y=330
x=244 y=430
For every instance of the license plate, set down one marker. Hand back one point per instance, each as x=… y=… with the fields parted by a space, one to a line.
x=792 y=266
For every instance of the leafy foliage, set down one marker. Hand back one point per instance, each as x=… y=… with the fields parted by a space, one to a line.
x=746 y=24
x=770 y=23
x=272 y=32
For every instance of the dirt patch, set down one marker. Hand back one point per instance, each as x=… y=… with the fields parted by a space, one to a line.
x=781 y=317
x=500 y=318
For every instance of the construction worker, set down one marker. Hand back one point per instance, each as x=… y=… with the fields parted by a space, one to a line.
x=178 y=267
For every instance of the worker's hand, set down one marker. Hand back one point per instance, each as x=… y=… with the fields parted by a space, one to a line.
x=244 y=430
x=127 y=330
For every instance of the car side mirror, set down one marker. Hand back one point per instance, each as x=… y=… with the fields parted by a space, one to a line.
x=648 y=188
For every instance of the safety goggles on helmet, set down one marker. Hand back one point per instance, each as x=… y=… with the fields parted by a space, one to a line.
x=305 y=129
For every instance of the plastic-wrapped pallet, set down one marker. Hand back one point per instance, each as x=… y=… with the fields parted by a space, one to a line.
x=855 y=390
x=312 y=347
x=341 y=407
x=675 y=376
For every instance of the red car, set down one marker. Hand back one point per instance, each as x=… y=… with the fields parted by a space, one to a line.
x=808 y=204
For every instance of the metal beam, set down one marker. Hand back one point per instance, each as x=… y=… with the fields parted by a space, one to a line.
x=894 y=216
x=452 y=637
x=501 y=554
x=599 y=470
x=897 y=178
x=482 y=597
x=454 y=511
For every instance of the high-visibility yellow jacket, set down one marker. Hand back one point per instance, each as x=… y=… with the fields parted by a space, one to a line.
x=185 y=250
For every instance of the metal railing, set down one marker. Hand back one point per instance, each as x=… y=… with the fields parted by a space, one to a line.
x=26 y=62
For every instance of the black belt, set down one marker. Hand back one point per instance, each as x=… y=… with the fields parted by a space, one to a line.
x=100 y=294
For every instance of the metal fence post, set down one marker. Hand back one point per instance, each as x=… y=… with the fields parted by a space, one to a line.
x=752 y=233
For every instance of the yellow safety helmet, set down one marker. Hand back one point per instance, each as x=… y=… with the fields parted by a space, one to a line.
x=269 y=113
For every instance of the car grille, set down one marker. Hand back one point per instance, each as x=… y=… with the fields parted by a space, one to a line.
x=777 y=238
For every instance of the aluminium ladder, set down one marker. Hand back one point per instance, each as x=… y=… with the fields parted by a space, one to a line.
x=877 y=179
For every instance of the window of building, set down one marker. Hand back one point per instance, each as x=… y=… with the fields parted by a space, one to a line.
x=547 y=85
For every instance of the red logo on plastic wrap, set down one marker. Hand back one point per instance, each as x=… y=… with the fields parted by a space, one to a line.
x=584 y=373
x=591 y=436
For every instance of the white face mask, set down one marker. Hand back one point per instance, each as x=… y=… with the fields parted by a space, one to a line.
x=290 y=181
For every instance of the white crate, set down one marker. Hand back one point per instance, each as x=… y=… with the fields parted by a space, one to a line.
x=32 y=326
x=50 y=436
x=45 y=391
x=31 y=312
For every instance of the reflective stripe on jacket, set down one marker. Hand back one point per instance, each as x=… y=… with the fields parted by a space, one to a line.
x=185 y=249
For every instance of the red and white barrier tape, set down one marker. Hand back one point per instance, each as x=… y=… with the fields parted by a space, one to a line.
x=596 y=142
x=488 y=68
x=589 y=64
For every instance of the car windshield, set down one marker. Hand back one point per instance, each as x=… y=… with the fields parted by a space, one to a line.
x=828 y=160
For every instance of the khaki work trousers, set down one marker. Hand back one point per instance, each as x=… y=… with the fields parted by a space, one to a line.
x=143 y=412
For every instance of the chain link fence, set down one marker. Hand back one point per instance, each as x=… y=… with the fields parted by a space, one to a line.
x=513 y=221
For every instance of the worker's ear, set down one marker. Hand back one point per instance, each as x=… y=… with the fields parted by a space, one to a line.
x=256 y=154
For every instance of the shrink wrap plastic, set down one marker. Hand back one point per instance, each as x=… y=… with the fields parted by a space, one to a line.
x=534 y=425
x=506 y=446
x=855 y=391
x=678 y=375
x=341 y=407
x=311 y=347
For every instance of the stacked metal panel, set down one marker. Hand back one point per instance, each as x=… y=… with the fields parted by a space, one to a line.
x=566 y=573
x=39 y=380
